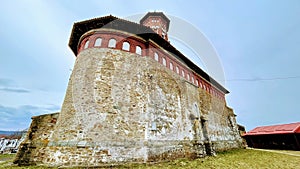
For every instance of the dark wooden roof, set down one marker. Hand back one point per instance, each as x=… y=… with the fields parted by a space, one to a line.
x=112 y=22
x=156 y=14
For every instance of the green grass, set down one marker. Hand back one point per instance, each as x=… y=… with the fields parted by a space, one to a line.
x=234 y=159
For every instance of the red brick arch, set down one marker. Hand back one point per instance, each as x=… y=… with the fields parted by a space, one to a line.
x=148 y=49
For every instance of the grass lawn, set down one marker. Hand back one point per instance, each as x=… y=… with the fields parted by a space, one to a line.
x=235 y=159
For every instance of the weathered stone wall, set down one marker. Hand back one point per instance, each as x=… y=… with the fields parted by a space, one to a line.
x=121 y=107
x=37 y=137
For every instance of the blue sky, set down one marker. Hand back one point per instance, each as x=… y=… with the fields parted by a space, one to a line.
x=257 y=43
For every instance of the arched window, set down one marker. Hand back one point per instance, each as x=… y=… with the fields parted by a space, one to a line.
x=138 y=50
x=164 y=62
x=182 y=73
x=112 y=43
x=171 y=65
x=193 y=81
x=98 y=42
x=188 y=77
x=126 y=46
x=177 y=70
x=197 y=82
x=86 y=45
x=156 y=56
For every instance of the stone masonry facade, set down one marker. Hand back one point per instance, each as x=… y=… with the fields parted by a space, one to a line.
x=134 y=111
x=121 y=106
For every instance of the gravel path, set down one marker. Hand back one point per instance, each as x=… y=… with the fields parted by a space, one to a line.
x=287 y=152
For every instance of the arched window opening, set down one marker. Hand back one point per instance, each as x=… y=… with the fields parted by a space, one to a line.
x=126 y=46
x=138 y=50
x=156 y=56
x=112 y=43
x=171 y=65
x=86 y=45
x=197 y=82
x=182 y=73
x=188 y=77
x=98 y=42
x=193 y=81
x=177 y=70
x=164 y=62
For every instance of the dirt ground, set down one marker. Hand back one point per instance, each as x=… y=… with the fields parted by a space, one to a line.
x=287 y=152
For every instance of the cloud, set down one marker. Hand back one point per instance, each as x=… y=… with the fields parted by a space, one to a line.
x=14 y=90
x=9 y=85
x=19 y=118
x=6 y=82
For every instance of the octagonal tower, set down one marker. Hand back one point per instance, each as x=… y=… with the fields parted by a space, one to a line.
x=158 y=22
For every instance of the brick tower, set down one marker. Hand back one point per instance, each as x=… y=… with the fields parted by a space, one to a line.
x=158 y=22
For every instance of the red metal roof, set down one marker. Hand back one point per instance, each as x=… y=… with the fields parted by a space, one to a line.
x=275 y=129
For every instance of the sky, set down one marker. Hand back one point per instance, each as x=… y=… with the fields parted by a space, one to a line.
x=257 y=43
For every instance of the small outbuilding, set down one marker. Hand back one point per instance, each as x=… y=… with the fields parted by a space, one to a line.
x=283 y=136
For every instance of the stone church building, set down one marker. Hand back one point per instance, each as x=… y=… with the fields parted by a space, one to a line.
x=132 y=97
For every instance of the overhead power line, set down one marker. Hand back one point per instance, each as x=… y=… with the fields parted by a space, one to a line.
x=263 y=79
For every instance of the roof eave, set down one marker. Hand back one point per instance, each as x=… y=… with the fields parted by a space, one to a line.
x=79 y=28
